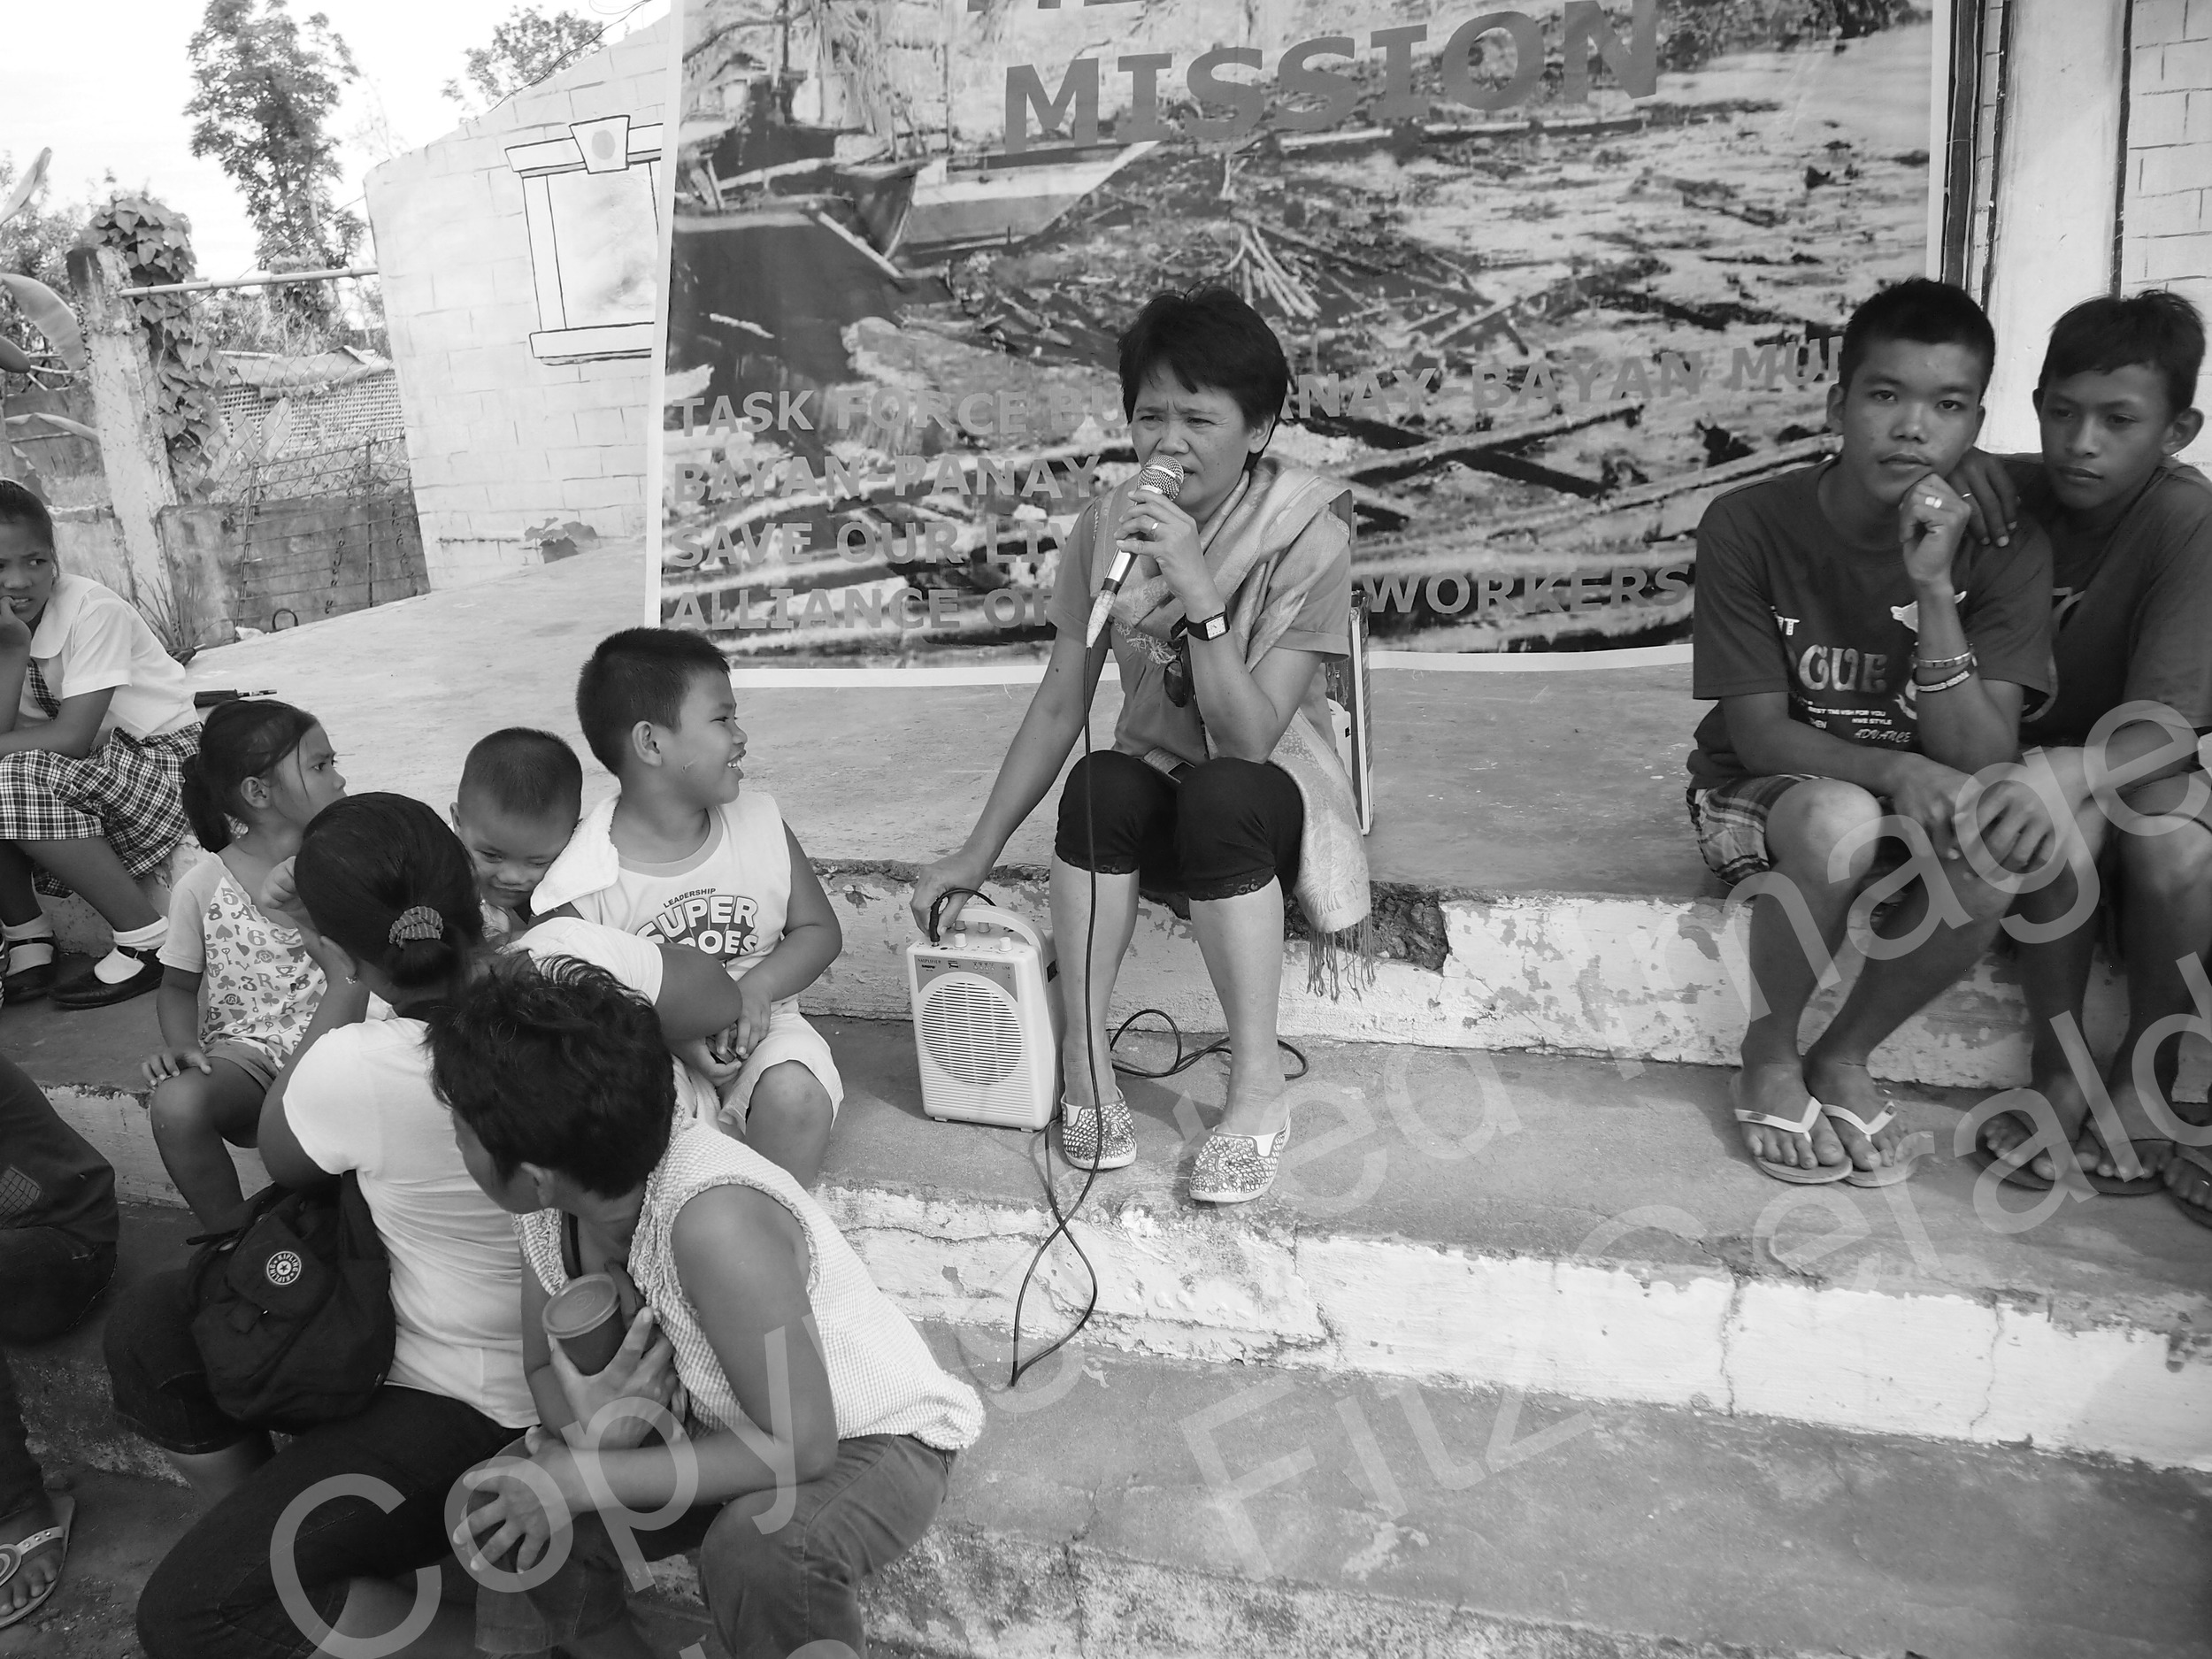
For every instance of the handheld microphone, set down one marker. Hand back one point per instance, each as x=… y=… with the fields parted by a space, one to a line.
x=1162 y=478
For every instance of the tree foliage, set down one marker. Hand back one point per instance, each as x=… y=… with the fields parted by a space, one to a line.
x=154 y=243
x=525 y=48
x=268 y=85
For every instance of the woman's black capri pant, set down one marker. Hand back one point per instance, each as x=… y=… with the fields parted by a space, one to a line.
x=1217 y=830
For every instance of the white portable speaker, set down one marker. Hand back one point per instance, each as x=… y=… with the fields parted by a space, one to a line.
x=986 y=1023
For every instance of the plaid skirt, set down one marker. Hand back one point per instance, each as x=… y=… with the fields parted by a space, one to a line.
x=124 y=793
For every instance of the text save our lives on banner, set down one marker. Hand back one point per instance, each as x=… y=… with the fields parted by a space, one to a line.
x=1548 y=286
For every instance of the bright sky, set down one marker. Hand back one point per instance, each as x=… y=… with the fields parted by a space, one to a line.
x=104 y=83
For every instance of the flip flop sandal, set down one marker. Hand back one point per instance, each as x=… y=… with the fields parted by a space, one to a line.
x=1820 y=1175
x=2021 y=1175
x=2115 y=1187
x=1888 y=1174
x=14 y=1556
x=2199 y=1160
x=2112 y=1185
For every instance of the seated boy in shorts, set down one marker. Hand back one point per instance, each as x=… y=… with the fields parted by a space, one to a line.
x=1865 y=657
x=2131 y=529
x=686 y=855
x=521 y=794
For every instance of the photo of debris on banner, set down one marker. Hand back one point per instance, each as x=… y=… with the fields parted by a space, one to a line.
x=1548 y=279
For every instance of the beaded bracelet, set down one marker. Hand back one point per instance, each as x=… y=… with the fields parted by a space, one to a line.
x=1959 y=679
x=1944 y=664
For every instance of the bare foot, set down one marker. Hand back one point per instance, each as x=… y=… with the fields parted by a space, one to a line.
x=41 y=1567
x=2191 y=1183
x=2003 y=1135
x=2123 y=1159
x=1849 y=1085
x=1777 y=1088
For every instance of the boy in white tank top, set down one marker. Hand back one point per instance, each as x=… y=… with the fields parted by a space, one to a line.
x=686 y=855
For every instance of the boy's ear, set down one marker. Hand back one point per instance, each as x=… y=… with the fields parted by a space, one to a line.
x=1835 y=408
x=541 y=1182
x=2184 y=431
x=453 y=814
x=645 y=742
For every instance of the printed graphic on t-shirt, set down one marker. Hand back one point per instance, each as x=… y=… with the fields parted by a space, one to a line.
x=1822 y=673
x=720 y=925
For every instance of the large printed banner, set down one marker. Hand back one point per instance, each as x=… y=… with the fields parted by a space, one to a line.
x=1548 y=279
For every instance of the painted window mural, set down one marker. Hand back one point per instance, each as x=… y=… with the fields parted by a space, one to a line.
x=591 y=200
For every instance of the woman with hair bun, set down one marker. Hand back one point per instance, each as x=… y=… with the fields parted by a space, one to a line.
x=238 y=988
x=385 y=897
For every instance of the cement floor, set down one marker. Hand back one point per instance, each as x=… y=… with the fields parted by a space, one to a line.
x=1568 y=781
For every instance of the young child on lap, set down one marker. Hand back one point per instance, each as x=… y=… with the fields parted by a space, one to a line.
x=1865 y=658
x=685 y=855
x=94 y=724
x=521 y=794
x=238 y=989
x=821 y=1431
x=2131 y=529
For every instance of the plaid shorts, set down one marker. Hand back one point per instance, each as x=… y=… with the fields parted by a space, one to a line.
x=124 y=793
x=1730 y=823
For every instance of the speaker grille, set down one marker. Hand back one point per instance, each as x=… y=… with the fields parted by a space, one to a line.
x=971 y=1031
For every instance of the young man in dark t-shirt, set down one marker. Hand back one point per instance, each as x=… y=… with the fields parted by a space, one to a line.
x=2132 y=603
x=1866 y=657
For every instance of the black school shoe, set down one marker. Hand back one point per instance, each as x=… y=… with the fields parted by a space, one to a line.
x=28 y=985
x=90 y=990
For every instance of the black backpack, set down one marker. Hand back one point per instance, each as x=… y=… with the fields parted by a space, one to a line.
x=292 y=1312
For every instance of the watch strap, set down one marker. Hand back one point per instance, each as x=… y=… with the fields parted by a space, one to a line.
x=1206 y=627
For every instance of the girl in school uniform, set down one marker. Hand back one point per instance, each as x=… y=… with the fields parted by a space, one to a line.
x=95 y=724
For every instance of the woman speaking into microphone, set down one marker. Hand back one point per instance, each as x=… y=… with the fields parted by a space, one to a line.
x=1234 y=584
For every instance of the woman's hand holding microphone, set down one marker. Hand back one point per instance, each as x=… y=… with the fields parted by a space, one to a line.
x=1158 y=529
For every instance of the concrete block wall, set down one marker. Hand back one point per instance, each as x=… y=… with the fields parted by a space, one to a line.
x=2166 y=224
x=499 y=442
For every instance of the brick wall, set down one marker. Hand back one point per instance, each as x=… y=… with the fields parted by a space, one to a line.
x=498 y=441
x=2166 y=227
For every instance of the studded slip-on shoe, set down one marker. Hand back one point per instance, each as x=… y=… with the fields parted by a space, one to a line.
x=1236 y=1169
x=1103 y=1137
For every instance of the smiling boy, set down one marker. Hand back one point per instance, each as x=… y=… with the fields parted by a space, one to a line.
x=1865 y=658
x=687 y=854
x=2131 y=529
x=520 y=797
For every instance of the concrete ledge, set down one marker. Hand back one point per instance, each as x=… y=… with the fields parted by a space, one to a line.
x=1120 y=1506
x=1572 y=1226
x=1624 y=977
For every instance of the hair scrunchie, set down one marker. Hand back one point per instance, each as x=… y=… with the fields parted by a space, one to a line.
x=418 y=921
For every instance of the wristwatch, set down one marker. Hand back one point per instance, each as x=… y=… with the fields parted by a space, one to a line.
x=1212 y=628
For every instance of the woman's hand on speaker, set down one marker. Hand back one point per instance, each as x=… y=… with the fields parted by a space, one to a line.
x=962 y=869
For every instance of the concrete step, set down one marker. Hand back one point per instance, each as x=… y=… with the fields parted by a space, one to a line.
x=1537 y=885
x=1579 y=1228
x=1153 y=1509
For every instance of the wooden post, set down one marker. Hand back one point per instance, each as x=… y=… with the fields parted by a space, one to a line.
x=126 y=410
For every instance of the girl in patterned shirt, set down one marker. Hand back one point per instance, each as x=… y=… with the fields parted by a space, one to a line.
x=238 y=988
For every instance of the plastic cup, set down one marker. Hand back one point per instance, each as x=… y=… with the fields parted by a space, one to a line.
x=586 y=1319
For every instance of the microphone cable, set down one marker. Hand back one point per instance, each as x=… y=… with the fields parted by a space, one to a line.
x=1060 y=1219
